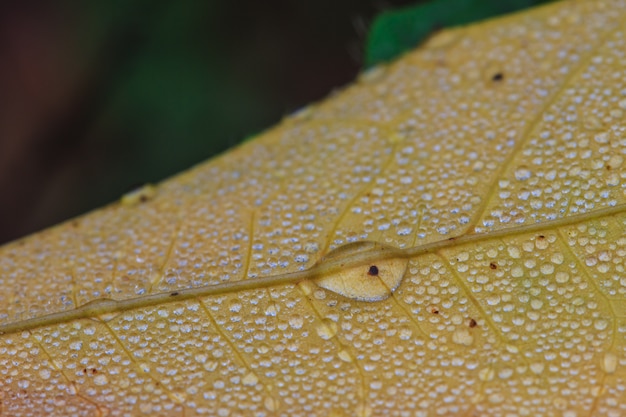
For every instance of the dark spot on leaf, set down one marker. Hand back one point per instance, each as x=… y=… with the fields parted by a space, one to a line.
x=541 y=237
x=434 y=310
x=174 y=294
x=498 y=76
x=472 y=323
x=492 y=265
x=373 y=271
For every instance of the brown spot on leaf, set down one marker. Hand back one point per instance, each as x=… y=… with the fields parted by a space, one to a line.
x=498 y=76
x=434 y=310
x=373 y=271
x=472 y=323
x=492 y=265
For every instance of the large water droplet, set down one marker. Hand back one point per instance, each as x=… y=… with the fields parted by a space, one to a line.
x=377 y=276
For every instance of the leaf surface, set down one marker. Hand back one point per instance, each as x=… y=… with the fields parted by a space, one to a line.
x=484 y=171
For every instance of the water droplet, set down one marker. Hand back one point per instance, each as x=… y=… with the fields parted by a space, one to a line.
x=272 y=309
x=327 y=329
x=344 y=355
x=522 y=173
x=591 y=122
x=486 y=374
x=296 y=322
x=139 y=195
x=210 y=366
x=178 y=397
x=514 y=252
x=609 y=362
x=602 y=137
x=496 y=398
x=541 y=242
x=537 y=368
x=511 y=348
x=562 y=277
x=271 y=404
x=462 y=336
x=235 y=306
x=405 y=333
x=100 y=379
x=600 y=324
x=250 y=379
x=374 y=280
x=44 y=373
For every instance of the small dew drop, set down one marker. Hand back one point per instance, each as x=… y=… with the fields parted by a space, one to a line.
x=562 y=277
x=271 y=404
x=541 y=242
x=272 y=309
x=327 y=329
x=250 y=379
x=210 y=366
x=462 y=336
x=235 y=306
x=100 y=379
x=139 y=195
x=537 y=368
x=522 y=173
x=44 y=373
x=296 y=322
x=486 y=374
x=496 y=398
x=601 y=324
x=514 y=252
x=344 y=355
x=609 y=363
x=405 y=333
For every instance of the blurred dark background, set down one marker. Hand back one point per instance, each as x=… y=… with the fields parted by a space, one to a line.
x=99 y=96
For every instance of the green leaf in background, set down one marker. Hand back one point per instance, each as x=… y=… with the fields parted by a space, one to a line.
x=396 y=31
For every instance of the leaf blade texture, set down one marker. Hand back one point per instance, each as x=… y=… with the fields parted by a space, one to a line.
x=486 y=167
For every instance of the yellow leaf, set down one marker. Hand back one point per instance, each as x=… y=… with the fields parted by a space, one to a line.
x=483 y=175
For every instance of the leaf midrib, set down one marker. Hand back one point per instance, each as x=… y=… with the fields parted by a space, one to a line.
x=103 y=306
